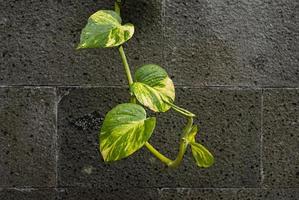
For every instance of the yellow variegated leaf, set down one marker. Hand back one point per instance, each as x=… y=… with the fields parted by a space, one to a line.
x=124 y=131
x=104 y=29
x=153 y=88
x=202 y=156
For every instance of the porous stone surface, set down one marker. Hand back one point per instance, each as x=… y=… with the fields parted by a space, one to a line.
x=229 y=121
x=38 y=41
x=268 y=194
x=199 y=194
x=235 y=65
x=27 y=137
x=229 y=42
x=281 y=138
x=28 y=194
x=230 y=194
x=103 y=193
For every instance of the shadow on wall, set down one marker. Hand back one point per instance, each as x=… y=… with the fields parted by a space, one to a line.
x=187 y=44
x=142 y=13
x=192 y=49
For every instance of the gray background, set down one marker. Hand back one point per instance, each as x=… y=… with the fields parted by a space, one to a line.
x=235 y=64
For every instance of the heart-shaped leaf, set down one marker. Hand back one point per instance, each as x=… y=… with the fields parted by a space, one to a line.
x=104 y=29
x=202 y=156
x=124 y=131
x=153 y=88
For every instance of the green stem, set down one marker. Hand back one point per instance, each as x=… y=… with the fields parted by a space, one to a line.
x=123 y=55
x=155 y=152
x=183 y=145
x=117 y=7
x=188 y=126
x=121 y=49
x=161 y=157
x=181 y=110
x=126 y=65
x=182 y=150
x=179 y=158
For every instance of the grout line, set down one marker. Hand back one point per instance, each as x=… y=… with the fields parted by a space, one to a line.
x=63 y=86
x=228 y=188
x=27 y=86
x=163 y=31
x=29 y=188
x=123 y=86
x=56 y=137
x=261 y=140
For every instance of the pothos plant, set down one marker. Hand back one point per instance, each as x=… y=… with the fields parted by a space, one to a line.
x=126 y=128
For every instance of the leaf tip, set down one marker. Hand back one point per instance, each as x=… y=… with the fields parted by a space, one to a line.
x=194 y=129
x=105 y=158
x=80 y=46
x=202 y=156
x=192 y=115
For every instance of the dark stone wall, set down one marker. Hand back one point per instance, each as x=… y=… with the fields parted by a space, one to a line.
x=235 y=64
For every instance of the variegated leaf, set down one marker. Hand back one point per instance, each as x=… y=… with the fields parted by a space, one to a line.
x=202 y=156
x=153 y=88
x=124 y=131
x=104 y=29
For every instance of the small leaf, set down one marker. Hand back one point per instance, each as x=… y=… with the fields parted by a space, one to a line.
x=104 y=29
x=124 y=131
x=153 y=88
x=201 y=155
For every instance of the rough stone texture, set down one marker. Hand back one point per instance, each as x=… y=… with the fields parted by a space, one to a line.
x=38 y=40
x=148 y=194
x=203 y=42
x=107 y=194
x=230 y=127
x=237 y=65
x=268 y=194
x=28 y=194
x=281 y=138
x=232 y=42
x=27 y=133
x=229 y=194
x=199 y=194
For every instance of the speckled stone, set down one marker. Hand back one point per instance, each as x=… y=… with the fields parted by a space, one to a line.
x=229 y=194
x=225 y=56
x=230 y=42
x=229 y=121
x=198 y=194
x=27 y=133
x=281 y=138
x=38 y=40
x=77 y=193
x=268 y=194
x=27 y=194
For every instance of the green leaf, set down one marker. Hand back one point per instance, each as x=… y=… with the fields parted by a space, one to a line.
x=153 y=88
x=124 y=131
x=202 y=156
x=104 y=29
